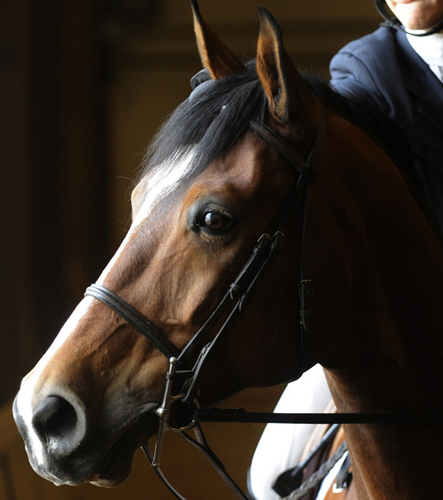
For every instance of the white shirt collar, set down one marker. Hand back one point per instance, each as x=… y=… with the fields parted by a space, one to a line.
x=430 y=49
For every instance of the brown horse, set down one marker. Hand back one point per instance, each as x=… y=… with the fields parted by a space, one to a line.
x=212 y=186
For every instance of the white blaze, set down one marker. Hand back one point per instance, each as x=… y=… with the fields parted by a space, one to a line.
x=156 y=185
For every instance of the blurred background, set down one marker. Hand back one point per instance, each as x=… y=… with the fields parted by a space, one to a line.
x=84 y=84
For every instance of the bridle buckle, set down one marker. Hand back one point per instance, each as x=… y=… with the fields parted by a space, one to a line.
x=163 y=412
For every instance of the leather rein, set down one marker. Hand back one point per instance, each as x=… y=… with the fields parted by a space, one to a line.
x=187 y=414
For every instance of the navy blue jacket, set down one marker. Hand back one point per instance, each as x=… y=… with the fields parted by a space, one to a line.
x=384 y=70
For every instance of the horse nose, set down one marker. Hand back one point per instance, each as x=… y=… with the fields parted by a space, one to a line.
x=59 y=424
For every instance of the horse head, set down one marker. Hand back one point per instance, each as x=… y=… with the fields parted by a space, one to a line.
x=214 y=267
x=210 y=188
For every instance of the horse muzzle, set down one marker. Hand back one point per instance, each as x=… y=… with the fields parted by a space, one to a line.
x=53 y=433
x=65 y=447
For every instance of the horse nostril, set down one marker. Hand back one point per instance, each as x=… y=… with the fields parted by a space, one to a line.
x=55 y=420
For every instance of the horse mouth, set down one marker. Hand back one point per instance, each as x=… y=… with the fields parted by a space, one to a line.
x=116 y=464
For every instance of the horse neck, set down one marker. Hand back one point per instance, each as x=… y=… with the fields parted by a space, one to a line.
x=383 y=342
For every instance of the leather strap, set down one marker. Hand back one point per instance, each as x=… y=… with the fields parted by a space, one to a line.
x=238 y=292
x=202 y=445
x=285 y=151
x=239 y=415
x=291 y=479
x=134 y=318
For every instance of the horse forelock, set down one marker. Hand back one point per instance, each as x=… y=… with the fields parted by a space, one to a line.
x=209 y=123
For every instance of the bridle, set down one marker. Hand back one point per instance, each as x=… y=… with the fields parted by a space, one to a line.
x=187 y=414
x=241 y=288
x=235 y=298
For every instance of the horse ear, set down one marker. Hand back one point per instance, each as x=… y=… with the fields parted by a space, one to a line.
x=284 y=87
x=217 y=57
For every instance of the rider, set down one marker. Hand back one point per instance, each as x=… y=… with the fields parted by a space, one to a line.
x=398 y=69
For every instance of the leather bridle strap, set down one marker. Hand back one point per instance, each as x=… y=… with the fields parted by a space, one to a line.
x=299 y=165
x=240 y=415
x=241 y=288
x=134 y=318
x=202 y=445
x=268 y=244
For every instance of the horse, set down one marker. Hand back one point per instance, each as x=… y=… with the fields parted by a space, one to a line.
x=274 y=227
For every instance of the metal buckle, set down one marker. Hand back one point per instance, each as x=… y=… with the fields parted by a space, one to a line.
x=163 y=412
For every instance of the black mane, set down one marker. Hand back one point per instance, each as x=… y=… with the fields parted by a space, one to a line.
x=218 y=113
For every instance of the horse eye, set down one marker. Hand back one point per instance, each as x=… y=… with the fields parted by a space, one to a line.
x=216 y=222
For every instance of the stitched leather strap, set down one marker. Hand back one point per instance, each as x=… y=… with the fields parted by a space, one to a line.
x=285 y=151
x=134 y=318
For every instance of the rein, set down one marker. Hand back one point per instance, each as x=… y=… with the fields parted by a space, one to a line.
x=232 y=303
